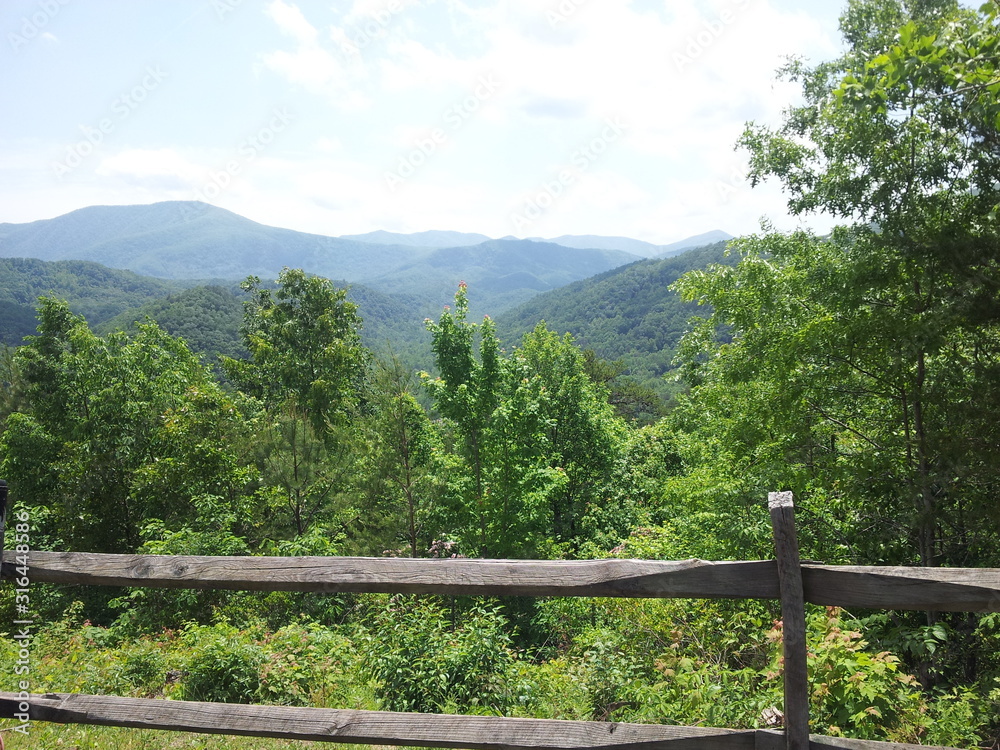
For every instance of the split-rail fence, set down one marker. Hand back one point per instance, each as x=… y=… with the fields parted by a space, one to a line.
x=784 y=578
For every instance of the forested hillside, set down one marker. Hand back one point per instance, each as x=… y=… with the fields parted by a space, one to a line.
x=505 y=272
x=93 y=290
x=859 y=370
x=208 y=318
x=192 y=240
x=629 y=314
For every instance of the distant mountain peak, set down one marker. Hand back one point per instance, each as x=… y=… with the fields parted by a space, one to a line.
x=432 y=239
x=634 y=246
x=698 y=240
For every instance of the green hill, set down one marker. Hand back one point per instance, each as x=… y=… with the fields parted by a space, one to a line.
x=500 y=273
x=92 y=290
x=628 y=313
x=191 y=240
x=208 y=317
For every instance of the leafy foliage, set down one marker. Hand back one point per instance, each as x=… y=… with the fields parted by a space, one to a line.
x=87 y=449
x=304 y=347
x=628 y=314
x=421 y=662
x=539 y=440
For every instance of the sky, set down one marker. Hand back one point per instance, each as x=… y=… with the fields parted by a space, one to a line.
x=531 y=118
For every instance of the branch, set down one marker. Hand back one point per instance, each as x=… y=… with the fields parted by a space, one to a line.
x=844 y=425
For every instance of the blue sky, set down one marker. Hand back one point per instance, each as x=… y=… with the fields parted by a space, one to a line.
x=506 y=117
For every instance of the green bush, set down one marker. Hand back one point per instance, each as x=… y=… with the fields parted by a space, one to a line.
x=224 y=665
x=307 y=664
x=607 y=670
x=140 y=669
x=419 y=663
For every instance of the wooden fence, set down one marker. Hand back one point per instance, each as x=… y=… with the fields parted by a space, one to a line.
x=784 y=578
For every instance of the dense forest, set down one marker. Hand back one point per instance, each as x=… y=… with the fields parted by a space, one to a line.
x=629 y=314
x=860 y=370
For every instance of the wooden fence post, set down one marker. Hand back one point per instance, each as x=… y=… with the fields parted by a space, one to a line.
x=793 y=619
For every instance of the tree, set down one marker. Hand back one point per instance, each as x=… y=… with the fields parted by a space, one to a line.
x=307 y=367
x=115 y=432
x=631 y=400
x=584 y=438
x=863 y=367
x=406 y=466
x=539 y=440
x=304 y=346
x=307 y=478
x=498 y=507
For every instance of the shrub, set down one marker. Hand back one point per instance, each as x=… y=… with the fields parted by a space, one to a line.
x=224 y=665
x=307 y=664
x=140 y=669
x=420 y=663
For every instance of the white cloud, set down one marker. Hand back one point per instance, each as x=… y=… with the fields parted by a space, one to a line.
x=683 y=75
x=162 y=168
x=291 y=21
x=310 y=65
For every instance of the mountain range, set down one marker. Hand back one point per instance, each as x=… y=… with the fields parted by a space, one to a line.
x=180 y=263
x=188 y=240
x=639 y=247
x=192 y=240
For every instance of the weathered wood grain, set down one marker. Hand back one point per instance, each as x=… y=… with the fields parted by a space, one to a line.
x=938 y=589
x=380 y=727
x=375 y=727
x=943 y=589
x=770 y=739
x=623 y=578
x=793 y=621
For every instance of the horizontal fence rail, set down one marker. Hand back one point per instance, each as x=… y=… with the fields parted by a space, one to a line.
x=411 y=729
x=940 y=589
x=460 y=576
x=890 y=587
x=374 y=727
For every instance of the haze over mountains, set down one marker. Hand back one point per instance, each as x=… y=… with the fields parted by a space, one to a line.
x=192 y=240
x=612 y=293
x=430 y=239
x=638 y=247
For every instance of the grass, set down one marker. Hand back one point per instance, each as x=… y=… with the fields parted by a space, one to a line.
x=46 y=736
